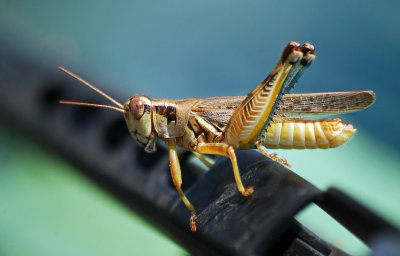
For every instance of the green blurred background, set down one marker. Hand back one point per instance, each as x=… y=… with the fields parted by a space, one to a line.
x=181 y=49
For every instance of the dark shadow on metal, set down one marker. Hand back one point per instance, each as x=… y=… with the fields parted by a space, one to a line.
x=228 y=223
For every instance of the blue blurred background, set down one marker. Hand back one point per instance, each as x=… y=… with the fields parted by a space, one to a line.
x=182 y=49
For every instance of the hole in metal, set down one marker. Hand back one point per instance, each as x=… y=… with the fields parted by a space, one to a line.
x=115 y=133
x=148 y=159
x=51 y=95
x=82 y=116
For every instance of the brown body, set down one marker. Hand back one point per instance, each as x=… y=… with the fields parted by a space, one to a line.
x=265 y=118
x=205 y=120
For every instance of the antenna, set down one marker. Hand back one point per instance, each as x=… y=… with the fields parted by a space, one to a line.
x=91 y=105
x=121 y=107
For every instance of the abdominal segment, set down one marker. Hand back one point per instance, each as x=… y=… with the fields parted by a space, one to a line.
x=307 y=134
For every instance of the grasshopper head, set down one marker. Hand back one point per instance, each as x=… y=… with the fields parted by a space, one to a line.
x=137 y=112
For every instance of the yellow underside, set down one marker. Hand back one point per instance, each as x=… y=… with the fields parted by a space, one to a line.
x=303 y=134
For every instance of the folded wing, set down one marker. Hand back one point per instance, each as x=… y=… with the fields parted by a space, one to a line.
x=218 y=110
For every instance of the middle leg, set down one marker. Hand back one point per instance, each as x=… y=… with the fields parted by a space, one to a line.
x=228 y=151
x=203 y=159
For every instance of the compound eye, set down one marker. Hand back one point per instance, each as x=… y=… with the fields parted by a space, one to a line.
x=137 y=107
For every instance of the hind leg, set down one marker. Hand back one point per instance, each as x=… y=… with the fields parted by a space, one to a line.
x=263 y=150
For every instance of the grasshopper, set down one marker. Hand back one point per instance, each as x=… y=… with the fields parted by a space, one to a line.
x=265 y=118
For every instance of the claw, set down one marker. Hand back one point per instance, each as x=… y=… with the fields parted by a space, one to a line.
x=273 y=156
x=248 y=191
x=280 y=160
x=192 y=222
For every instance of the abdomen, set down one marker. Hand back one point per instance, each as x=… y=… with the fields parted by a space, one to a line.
x=307 y=134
